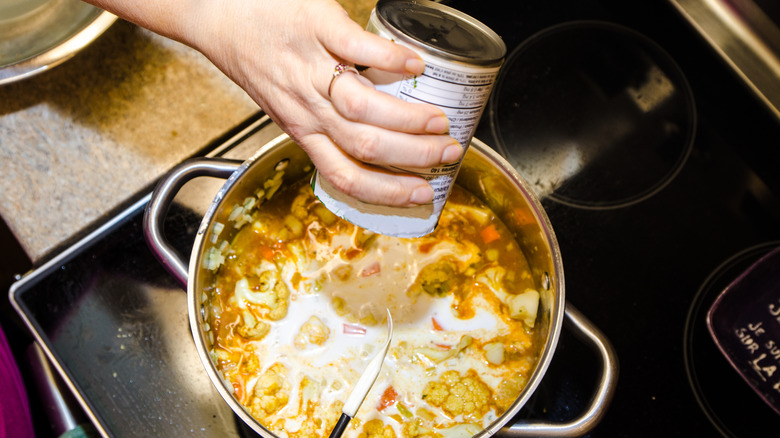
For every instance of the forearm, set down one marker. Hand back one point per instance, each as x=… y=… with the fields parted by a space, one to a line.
x=186 y=21
x=283 y=54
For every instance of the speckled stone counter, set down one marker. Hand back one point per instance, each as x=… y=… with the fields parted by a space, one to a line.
x=77 y=141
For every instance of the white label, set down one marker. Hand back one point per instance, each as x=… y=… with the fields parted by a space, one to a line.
x=461 y=91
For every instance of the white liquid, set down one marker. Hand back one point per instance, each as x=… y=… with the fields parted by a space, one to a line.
x=339 y=361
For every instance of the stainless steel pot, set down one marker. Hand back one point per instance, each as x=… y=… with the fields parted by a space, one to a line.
x=484 y=173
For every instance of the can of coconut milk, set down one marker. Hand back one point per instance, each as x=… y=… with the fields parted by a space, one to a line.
x=462 y=57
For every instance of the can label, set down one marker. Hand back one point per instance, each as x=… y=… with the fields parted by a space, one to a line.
x=461 y=90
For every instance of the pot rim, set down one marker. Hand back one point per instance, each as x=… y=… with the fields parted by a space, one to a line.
x=557 y=312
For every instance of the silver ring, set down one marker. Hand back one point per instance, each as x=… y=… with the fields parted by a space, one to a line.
x=340 y=68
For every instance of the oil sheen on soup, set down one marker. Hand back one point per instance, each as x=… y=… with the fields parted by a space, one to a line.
x=298 y=308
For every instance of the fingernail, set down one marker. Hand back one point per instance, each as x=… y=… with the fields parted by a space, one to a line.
x=421 y=195
x=415 y=66
x=452 y=153
x=438 y=125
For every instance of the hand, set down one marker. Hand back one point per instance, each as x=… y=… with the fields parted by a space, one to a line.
x=284 y=53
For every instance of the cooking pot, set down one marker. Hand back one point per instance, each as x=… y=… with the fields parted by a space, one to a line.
x=484 y=173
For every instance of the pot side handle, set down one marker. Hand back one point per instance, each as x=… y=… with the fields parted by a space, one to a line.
x=590 y=334
x=162 y=197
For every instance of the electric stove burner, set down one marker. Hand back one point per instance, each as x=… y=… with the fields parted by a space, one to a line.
x=726 y=399
x=593 y=115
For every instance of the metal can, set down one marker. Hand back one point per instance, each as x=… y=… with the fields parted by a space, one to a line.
x=462 y=57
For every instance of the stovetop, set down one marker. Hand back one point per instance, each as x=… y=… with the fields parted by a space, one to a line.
x=648 y=240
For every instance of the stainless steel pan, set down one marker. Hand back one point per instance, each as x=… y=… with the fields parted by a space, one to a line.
x=484 y=173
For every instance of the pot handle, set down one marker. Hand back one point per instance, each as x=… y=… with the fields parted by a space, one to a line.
x=160 y=202
x=590 y=334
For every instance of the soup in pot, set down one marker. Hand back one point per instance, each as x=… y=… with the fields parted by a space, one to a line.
x=298 y=308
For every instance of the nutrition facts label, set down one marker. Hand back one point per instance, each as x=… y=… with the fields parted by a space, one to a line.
x=461 y=94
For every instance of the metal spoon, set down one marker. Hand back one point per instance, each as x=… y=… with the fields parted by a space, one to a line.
x=364 y=384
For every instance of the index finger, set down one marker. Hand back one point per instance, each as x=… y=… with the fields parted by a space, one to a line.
x=357 y=46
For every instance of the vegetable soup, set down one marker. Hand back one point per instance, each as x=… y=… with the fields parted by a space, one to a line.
x=299 y=303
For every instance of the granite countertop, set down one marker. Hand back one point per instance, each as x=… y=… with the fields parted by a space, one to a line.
x=80 y=139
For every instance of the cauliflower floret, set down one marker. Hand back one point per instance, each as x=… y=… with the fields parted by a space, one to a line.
x=266 y=290
x=271 y=393
x=415 y=427
x=436 y=279
x=251 y=363
x=457 y=395
x=376 y=428
x=252 y=328
x=299 y=207
x=313 y=331
x=522 y=306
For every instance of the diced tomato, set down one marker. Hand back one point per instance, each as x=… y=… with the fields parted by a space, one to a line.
x=436 y=325
x=443 y=346
x=388 y=398
x=352 y=329
x=489 y=233
x=371 y=270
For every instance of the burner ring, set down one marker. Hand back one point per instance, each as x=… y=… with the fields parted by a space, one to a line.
x=726 y=400
x=593 y=114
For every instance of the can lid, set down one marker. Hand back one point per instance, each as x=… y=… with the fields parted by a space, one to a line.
x=442 y=30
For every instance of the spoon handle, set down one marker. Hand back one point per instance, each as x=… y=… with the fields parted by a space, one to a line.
x=341 y=426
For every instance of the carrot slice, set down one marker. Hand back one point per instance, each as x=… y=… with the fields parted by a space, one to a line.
x=489 y=233
x=267 y=253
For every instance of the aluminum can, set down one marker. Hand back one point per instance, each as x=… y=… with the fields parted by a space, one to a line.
x=462 y=58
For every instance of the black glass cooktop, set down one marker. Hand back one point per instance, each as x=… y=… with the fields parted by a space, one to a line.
x=658 y=171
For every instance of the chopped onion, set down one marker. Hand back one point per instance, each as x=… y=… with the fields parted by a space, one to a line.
x=213 y=259
x=438 y=356
x=235 y=213
x=215 y=230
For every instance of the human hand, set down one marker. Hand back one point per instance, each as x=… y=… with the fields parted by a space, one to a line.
x=283 y=56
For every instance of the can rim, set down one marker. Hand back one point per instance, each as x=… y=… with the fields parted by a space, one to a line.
x=384 y=8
